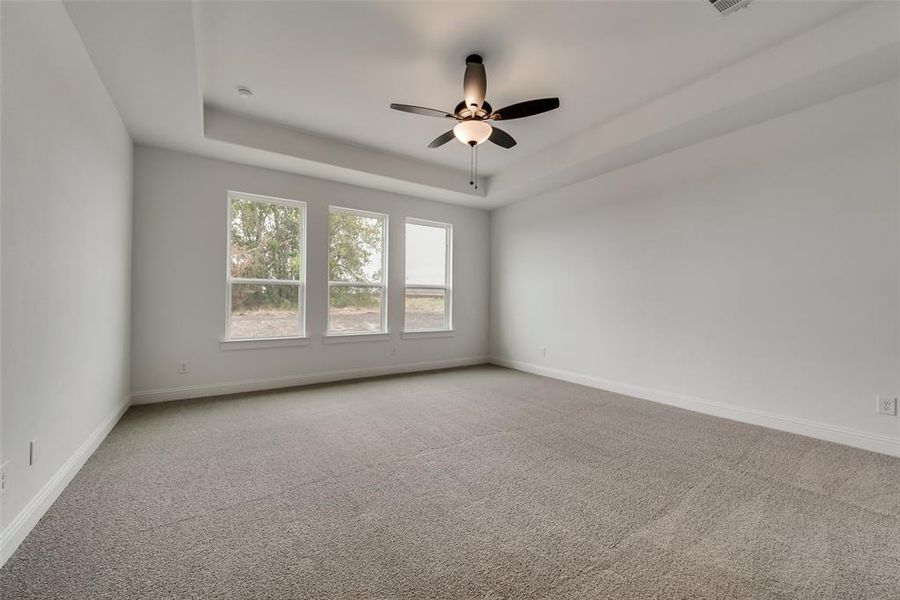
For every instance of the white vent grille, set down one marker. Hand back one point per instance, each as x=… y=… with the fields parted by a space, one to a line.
x=726 y=7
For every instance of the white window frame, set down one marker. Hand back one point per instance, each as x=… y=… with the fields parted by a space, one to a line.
x=300 y=283
x=448 y=279
x=383 y=286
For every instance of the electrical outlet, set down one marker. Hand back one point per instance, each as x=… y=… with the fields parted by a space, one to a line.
x=543 y=351
x=183 y=368
x=393 y=350
x=4 y=482
x=886 y=405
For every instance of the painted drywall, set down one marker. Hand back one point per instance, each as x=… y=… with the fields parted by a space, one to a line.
x=66 y=256
x=179 y=291
x=758 y=271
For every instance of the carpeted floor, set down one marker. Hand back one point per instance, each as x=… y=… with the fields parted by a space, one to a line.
x=472 y=483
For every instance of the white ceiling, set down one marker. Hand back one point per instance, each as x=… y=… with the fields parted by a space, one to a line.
x=334 y=67
x=635 y=79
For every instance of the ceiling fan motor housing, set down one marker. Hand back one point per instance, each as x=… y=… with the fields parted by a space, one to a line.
x=464 y=112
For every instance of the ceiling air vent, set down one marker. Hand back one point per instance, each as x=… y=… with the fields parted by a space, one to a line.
x=726 y=7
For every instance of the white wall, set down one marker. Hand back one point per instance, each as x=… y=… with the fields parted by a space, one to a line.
x=66 y=258
x=179 y=281
x=755 y=275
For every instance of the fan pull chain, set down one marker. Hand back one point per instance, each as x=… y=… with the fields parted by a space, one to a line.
x=475 y=179
x=473 y=166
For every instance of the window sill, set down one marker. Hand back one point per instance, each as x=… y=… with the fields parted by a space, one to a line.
x=343 y=338
x=253 y=344
x=419 y=335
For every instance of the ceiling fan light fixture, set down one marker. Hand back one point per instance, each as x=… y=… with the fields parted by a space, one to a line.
x=472 y=133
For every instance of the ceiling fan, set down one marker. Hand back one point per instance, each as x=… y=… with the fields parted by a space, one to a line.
x=474 y=115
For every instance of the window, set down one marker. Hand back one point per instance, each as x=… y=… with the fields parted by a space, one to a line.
x=428 y=276
x=266 y=267
x=357 y=272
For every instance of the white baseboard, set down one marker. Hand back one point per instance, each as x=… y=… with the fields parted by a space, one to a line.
x=269 y=383
x=824 y=431
x=24 y=522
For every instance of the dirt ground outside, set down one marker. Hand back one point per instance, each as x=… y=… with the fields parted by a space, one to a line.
x=421 y=313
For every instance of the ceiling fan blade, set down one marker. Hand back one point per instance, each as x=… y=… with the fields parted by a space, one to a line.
x=474 y=82
x=525 y=109
x=442 y=139
x=419 y=110
x=501 y=138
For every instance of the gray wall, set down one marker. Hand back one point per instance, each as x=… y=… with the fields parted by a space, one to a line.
x=759 y=271
x=179 y=281
x=66 y=249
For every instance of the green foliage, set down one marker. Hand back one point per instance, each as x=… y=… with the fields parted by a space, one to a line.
x=354 y=255
x=354 y=243
x=249 y=298
x=265 y=240
x=265 y=244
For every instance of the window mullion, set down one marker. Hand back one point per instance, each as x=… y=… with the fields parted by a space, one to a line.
x=353 y=284
x=251 y=281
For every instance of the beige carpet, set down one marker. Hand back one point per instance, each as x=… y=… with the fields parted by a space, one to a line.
x=473 y=483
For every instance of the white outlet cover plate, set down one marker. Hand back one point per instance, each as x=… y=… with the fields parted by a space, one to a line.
x=5 y=480
x=886 y=405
